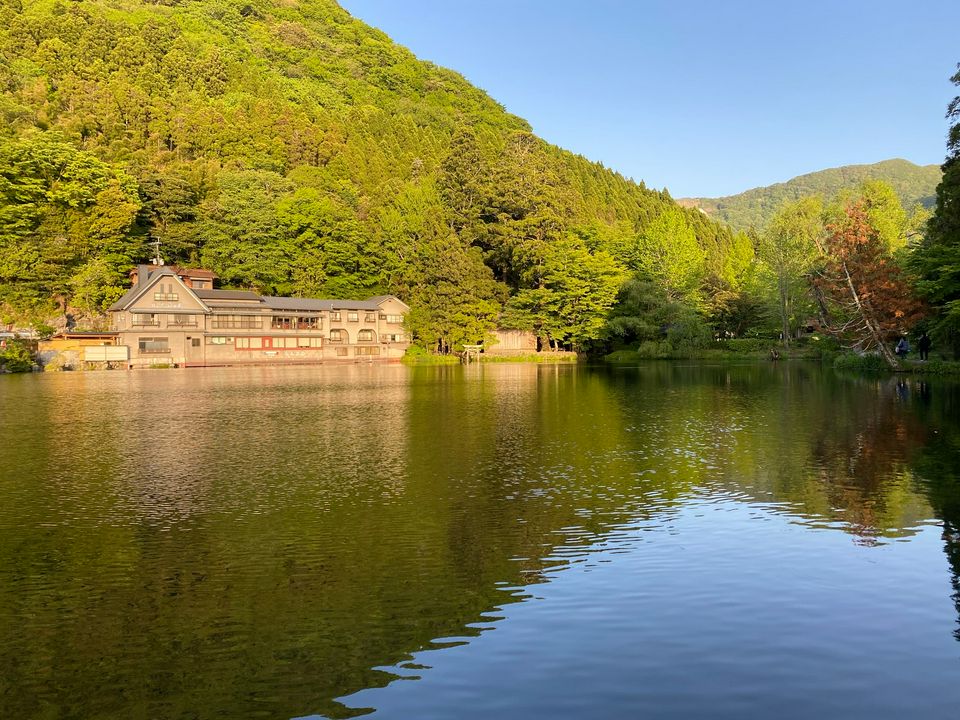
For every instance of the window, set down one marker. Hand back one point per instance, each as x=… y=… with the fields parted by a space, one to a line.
x=391 y=337
x=337 y=336
x=392 y=319
x=195 y=342
x=308 y=323
x=365 y=336
x=183 y=320
x=236 y=322
x=341 y=352
x=145 y=320
x=370 y=317
x=309 y=342
x=281 y=323
x=219 y=340
x=165 y=293
x=335 y=316
x=150 y=345
x=249 y=343
x=367 y=351
x=200 y=284
x=353 y=316
x=280 y=343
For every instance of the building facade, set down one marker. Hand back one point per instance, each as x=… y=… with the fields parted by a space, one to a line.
x=174 y=316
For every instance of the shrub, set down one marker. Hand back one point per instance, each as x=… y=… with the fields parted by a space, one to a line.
x=861 y=363
x=16 y=357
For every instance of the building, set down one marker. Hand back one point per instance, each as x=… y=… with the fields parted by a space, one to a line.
x=173 y=316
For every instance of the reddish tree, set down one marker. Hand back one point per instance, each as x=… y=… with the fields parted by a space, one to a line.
x=861 y=278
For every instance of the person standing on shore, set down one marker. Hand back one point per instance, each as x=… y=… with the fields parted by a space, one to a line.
x=902 y=348
x=923 y=345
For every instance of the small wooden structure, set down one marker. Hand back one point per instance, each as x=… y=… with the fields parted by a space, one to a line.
x=471 y=352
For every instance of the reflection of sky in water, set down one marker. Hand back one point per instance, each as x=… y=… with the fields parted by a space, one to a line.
x=650 y=620
x=663 y=541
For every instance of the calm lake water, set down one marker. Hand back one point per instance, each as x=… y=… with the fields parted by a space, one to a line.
x=490 y=541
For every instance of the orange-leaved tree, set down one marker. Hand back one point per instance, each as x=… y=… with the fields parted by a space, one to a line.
x=867 y=287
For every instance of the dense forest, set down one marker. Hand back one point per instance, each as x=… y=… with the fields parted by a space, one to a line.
x=295 y=150
x=914 y=184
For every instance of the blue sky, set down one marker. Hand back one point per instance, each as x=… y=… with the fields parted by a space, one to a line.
x=704 y=98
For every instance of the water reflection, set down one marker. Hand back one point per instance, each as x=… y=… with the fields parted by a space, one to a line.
x=266 y=541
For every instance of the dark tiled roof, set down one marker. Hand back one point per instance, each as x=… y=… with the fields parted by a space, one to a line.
x=204 y=294
x=291 y=303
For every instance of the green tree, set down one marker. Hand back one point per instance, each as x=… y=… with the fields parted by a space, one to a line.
x=570 y=306
x=668 y=251
x=936 y=259
x=788 y=247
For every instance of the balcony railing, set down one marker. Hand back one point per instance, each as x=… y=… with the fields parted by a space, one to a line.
x=224 y=324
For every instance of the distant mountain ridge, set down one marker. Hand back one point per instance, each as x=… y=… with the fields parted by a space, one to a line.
x=753 y=208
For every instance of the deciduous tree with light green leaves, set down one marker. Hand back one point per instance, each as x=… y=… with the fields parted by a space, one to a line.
x=789 y=248
x=667 y=251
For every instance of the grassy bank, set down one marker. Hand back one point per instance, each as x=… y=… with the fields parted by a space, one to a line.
x=724 y=350
x=874 y=364
x=544 y=357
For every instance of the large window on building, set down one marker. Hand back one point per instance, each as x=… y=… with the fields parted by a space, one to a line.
x=253 y=343
x=219 y=340
x=391 y=337
x=311 y=322
x=338 y=336
x=183 y=320
x=236 y=322
x=335 y=316
x=309 y=342
x=370 y=317
x=392 y=319
x=353 y=316
x=145 y=320
x=365 y=336
x=281 y=323
x=368 y=351
x=150 y=345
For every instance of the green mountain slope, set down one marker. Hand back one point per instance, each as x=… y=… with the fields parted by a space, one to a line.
x=296 y=150
x=754 y=208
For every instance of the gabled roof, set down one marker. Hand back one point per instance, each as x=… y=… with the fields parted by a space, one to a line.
x=380 y=299
x=134 y=293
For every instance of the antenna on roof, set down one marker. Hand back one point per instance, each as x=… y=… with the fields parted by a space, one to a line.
x=157 y=260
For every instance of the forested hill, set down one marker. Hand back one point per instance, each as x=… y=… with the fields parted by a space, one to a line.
x=754 y=208
x=296 y=150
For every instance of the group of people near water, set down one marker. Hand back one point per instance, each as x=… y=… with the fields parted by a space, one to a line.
x=923 y=347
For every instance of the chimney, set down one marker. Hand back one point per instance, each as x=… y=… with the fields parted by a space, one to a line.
x=143 y=274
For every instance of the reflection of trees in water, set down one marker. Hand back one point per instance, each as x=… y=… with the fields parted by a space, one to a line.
x=861 y=453
x=938 y=467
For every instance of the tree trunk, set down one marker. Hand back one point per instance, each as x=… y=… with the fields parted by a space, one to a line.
x=871 y=324
x=784 y=315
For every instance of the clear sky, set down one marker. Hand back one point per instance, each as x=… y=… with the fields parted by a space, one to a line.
x=705 y=98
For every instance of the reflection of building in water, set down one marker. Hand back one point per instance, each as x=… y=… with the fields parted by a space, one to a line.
x=243 y=436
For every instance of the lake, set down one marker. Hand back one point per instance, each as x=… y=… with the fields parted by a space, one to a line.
x=495 y=540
